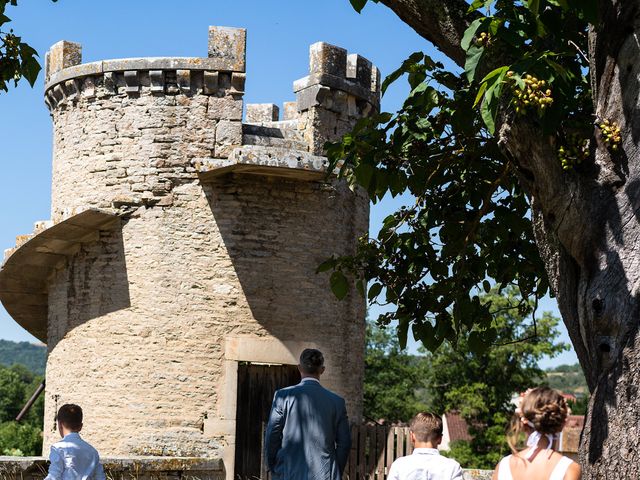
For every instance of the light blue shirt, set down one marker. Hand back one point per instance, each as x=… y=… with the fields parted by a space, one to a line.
x=74 y=459
x=425 y=464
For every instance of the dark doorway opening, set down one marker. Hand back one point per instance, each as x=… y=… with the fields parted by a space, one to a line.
x=256 y=385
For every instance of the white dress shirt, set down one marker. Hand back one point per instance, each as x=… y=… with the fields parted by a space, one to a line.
x=74 y=459
x=425 y=464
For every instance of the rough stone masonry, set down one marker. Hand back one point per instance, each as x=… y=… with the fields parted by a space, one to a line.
x=183 y=242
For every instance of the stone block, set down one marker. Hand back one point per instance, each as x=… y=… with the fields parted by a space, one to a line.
x=183 y=78
x=327 y=58
x=237 y=82
x=262 y=112
x=226 y=107
x=290 y=110
x=89 y=87
x=228 y=45
x=62 y=55
x=359 y=70
x=311 y=97
x=228 y=137
x=110 y=83
x=211 y=82
x=375 y=81
x=156 y=81
x=131 y=81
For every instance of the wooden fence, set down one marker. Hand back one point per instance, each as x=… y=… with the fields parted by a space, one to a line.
x=373 y=450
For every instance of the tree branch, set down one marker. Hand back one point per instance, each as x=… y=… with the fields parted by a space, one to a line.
x=442 y=22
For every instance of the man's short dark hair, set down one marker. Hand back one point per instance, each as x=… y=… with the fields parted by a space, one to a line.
x=70 y=416
x=426 y=426
x=311 y=361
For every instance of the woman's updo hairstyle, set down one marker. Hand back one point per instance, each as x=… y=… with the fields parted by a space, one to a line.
x=545 y=408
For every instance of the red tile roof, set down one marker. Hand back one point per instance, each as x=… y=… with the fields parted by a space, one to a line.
x=458 y=429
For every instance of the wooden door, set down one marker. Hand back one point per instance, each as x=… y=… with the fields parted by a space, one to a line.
x=256 y=385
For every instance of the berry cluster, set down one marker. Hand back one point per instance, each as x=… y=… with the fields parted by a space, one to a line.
x=533 y=95
x=483 y=40
x=574 y=152
x=610 y=134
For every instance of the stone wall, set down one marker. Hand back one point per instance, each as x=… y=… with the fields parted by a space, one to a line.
x=34 y=468
x=141 y=468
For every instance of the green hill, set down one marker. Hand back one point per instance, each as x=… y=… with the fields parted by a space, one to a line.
x=32 y=356
x=568 y=379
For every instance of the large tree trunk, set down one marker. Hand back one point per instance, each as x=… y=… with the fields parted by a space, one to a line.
x=587 y=228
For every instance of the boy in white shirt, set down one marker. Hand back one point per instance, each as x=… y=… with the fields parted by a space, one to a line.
x=72 y=458
x=425 y=463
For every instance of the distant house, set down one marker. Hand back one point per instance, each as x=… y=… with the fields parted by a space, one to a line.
x=454 y=428
x=569 y=440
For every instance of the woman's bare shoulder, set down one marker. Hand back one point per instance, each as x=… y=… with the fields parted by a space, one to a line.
x=573 y=472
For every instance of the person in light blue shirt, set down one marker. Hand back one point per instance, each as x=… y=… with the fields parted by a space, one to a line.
x=72 y=458
x=307 y=437
x=425 y=463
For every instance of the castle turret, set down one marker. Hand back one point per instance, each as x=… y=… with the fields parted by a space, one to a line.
x=175 y=283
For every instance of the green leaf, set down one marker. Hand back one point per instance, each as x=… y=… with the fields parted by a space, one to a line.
x=30 y=70
x=358 y=5
x=478 y=4
x=481 y=90
x=374 y=291
x=364 y=173
x=413 y=59
x=339 y=284
x=403 y=330
x=474 y=54
x=470 y=32
x=534 y=6
x=326 y=265
x=487 y=115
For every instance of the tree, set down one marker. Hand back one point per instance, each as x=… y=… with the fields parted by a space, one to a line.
x=18 y=60
x=17 y=384
x=480 y=383
x=394 y=381
x=532 y=140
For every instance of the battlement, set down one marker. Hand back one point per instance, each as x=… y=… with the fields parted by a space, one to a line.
x=68 y=79
x=340 y=89
x=330 y=67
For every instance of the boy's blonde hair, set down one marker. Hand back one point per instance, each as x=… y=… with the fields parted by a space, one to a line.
x=426 y=426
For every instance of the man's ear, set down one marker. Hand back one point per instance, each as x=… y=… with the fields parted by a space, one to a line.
x=322 y=369
x=412 y=437
x=81 y=425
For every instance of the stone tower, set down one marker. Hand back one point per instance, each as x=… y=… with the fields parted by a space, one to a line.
x=183 y=242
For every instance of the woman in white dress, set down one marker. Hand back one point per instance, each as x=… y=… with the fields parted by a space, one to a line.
x=541 y=416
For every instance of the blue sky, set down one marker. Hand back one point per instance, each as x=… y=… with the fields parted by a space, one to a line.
x=279 y=33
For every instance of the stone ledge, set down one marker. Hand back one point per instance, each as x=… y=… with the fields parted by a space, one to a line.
x=270 y=161
x=138 y=468
x=150 y=63
x=26 y=268
x=142 y=468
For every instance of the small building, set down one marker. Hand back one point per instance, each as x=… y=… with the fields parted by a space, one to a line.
x=454 y=428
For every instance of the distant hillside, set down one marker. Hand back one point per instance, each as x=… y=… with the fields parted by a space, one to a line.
x=568 y=379
x=34 y=357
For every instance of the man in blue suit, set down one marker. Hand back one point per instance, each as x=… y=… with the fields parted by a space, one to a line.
x=307 y=437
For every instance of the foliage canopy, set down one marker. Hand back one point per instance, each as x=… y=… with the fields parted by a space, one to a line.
x=468 y=228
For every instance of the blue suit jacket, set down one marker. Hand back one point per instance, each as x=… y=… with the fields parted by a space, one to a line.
x=307 y=437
